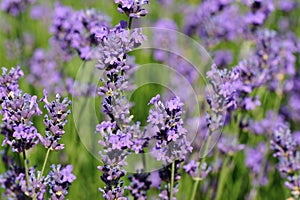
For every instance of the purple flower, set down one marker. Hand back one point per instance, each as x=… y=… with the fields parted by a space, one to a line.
x=139 y=185
x=214 y=21
x=17 y=110
x=223 y=58
x=120 y=136
x=9 y=182
x=44 y=70
x=285 y=150
x=255 y=161
x=76 y=31
x=287 y=5
x=170 y=136
x=251 y=104
x=255 y=157
x=133 y=8
x=15 y=7
x=229 y=145
x=9 y=82
x=111 y=177
x=191 y=168
x=15 y=184
x=59 y=180
x=260 y=11
x=55 y=121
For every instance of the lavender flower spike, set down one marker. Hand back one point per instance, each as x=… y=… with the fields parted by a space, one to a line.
x=55 y=121
x=170 y=134
x=59 y=181
x=285 y=150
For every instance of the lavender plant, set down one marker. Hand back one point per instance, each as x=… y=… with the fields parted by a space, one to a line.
x=21 y=181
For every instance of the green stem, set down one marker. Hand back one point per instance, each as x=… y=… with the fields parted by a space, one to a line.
x=195 y=189
x=130 y=23
x=172 y=180
x=44 y=164
x=26 y=168
x=199 y=171
x=43 y=169
x=222 y=178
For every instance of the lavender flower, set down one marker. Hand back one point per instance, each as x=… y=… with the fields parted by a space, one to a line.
x=17 y=110
x=170 y=135
x=255 y=161
x=44 y=70
x=223 y=58
x=119 y=135
x=9 y=82
x=191 y=168
x=114 y=186
x=139 y=185
x=166 y=39
x=9 y=181
x=55 y=121
x=267 y=125
x=260 y=10
x=229 y=145
x=35 y=186
x=285 y=150
x=15 y=7
x=288 y=5
x=215 y=21
x=132 y=8
x=75 y=31
x=59 y=181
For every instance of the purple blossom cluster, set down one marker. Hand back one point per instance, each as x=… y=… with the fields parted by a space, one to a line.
x=59 y=181
x=285 y=149
x=15 y=7
x=78 y=31
x=132 y=8
x=139 y=185
x=55 y=121
x=18 y=110
x=259 y=11
x=169 y=133
x=215 y=20
x=46 y=71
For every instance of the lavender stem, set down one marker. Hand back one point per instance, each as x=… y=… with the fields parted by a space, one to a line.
x=172 y=180
x=200 y=166
x=44 y=164
x=26 y=168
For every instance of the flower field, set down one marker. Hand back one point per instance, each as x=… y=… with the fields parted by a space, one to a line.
x=150 y=99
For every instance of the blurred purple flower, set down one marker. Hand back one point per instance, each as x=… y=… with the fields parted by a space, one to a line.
x=15 y=7
x=287 y=5
x=229 y=145
x=76 y=31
